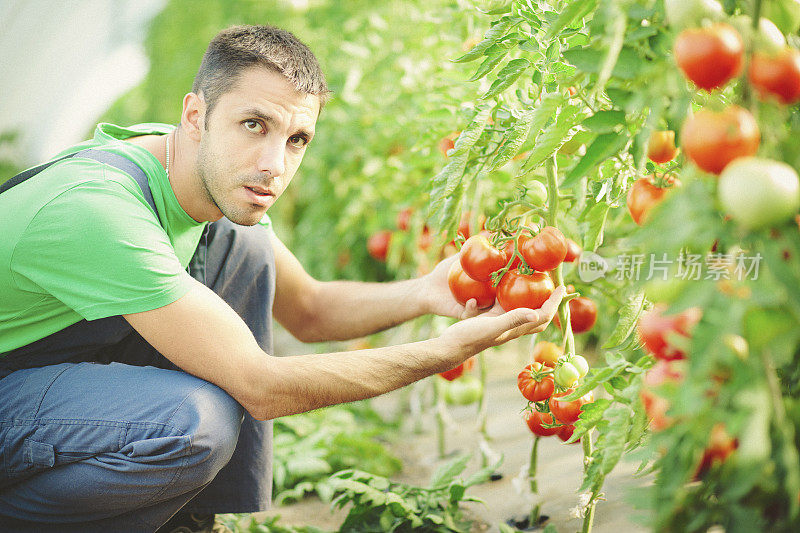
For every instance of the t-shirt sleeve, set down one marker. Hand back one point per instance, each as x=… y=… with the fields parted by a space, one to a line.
x=99 y=250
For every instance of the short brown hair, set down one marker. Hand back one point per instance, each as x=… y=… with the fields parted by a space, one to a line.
x=240 y=47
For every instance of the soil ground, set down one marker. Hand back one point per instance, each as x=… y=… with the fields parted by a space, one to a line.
x=559 y=466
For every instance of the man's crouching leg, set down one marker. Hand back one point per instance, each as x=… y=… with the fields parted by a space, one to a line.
x=92 y=447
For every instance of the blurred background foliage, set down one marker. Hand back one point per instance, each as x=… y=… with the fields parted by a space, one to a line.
x=395 y=95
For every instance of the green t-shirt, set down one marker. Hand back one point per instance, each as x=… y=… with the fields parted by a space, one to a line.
x=80 y=241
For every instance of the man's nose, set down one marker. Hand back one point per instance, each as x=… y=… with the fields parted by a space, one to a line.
x=271 y=158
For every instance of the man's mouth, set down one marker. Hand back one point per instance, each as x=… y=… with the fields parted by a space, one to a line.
x=261 y=191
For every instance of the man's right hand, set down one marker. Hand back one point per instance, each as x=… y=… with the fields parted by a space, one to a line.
x=495 y=327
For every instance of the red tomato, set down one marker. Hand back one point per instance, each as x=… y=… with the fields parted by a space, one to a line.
x=404 y=218
x=573 y=251
x=465 y=288
x=661 y=147
x=378 y=244
x=547 y=353
x=458 y=371
x=535 y=419
x=565 y=433
x=710 y=57
x=524 y=290
x=656 y=406
x=712 y=140
x=776 y=75
x=582 y=314
x=480 y=259
x=568 y=412
x=448 y=143
x=545 y=251
x=720 y=446
x=655 y=330
x=424 y=240
x=534 y=385
x=642 y=197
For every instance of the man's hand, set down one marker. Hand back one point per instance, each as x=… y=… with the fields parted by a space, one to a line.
x=440 y=300
x=494 y=327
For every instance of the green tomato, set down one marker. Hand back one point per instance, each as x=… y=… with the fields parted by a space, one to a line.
x=537 y=192
x=463 y=391
x=685 y=13
x=580 y=364
x=566 y=375
x=759 y=193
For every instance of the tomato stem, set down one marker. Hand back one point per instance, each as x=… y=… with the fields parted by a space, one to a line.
x=439 y=401
x=535 y=514
x=551 y=172
x=588 y=518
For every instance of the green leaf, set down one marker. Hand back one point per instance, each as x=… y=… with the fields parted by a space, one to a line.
x=628 y=318
x=591 y=416
x=490 y=37
x=516 y=136
x=603 y=147
x=551 y=139
x=488 y=64
x=627 y=65
x=572 y=12
x=616 y=435
x=605 y=121
x=596 y=218
x=507 y=76
x=445 y=474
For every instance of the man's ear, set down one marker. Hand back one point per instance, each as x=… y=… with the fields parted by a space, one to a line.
x=193 y=115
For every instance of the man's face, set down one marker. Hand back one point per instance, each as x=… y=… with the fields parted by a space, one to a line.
x=253 y=143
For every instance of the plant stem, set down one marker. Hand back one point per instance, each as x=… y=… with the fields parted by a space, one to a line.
x=439 y=402
x=551 y=172
x=533 y=517
x=484 y=368
x=588 y=518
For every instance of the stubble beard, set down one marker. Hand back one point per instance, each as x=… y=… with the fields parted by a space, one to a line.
x=211 y=177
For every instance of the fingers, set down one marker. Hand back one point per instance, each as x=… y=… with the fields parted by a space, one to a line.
x=470 y=309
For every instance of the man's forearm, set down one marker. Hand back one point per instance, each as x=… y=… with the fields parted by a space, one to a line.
x=350 y=309
x=300 y=383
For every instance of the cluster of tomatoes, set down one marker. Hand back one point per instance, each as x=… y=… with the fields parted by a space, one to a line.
x=486 y=271
x=755 y=192
x=665 y=337
x=545 y=382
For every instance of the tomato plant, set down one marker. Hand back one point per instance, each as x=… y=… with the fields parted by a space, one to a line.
x=644 y=195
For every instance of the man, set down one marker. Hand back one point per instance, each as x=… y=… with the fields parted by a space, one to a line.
x=92 y=270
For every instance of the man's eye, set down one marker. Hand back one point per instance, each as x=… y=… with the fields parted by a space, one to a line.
x=298 y=141
x=253 y=126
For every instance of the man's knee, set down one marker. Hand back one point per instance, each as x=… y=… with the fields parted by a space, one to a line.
x=211 y=419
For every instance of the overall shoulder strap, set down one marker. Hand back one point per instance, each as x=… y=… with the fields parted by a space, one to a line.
x=109 y=158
